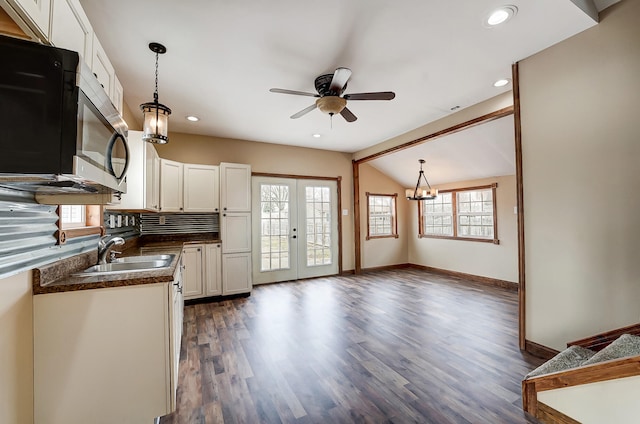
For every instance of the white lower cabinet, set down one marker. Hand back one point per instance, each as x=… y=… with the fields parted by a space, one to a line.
x=192 y=258
x=107 y=355
x=210 y=273
x=236 y=273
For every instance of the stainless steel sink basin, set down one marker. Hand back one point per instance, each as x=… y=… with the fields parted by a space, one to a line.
x=144 y=258
x=142 y=264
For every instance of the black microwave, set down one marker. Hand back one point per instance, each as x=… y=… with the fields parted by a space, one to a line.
x=59 y=131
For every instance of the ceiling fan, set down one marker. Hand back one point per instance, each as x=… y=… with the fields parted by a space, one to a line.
x=331 y=97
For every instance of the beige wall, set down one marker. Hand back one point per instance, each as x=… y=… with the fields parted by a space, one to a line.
x=16 y=349
x=499 y=261
x=272 y=158
x=581 y=146
x=384 y=251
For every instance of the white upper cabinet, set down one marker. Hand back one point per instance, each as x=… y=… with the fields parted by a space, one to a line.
x=201 y=186
x=102 y=68
x=170 y=186
x=70 y=28
x=35 y=13
x=235 y=187
x=117 y=97
x=143 y=176
x=195 y=189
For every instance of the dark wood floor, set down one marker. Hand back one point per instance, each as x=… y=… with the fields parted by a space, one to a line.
x=402 y=346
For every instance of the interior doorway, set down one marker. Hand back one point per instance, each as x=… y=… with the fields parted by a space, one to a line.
x=295 y=228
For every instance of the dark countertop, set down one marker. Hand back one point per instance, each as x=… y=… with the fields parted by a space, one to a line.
x=59 y=276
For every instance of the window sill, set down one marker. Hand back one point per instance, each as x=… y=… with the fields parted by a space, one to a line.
x=381 y=237
x=69 y=233
x=481 y=240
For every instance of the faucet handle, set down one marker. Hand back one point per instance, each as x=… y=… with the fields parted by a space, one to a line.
x=112 y=255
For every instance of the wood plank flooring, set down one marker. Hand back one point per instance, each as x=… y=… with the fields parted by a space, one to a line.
x=400 y=346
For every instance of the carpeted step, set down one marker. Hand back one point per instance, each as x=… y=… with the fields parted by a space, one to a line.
x=571 y=357
x=623 y=346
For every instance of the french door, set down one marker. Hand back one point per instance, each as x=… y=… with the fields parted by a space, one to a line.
x=295 y=228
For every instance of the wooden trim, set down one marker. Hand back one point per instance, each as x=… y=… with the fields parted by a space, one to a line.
x=480 y=187
x=9 y=27
x=509 y=285
x=522 y=285
x=493 y=241
x=453 y=129
x=600 y=341
x=356 y=216
x=494 y=202
x=548 y=415
x=540 y=351
x=595 y=373
x=82 y=231
x=348 y=272
x=293 y=176
x=339 y=188
x=387 y=267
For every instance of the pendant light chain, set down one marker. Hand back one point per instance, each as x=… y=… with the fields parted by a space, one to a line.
x=155 y=94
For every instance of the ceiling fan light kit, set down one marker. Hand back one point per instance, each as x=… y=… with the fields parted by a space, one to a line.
x=155 y=128
x=331 y=104
x=331 y=97
x=421 y=193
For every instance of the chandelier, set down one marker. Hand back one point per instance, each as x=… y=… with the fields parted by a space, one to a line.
x=421 y=193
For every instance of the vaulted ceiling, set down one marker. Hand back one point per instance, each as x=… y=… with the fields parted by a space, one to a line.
x=223 y=57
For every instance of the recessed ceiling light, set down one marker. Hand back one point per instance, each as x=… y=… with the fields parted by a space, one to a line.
x=192 y=118
x=501 y=82
x=501 y=15
x=316 y=135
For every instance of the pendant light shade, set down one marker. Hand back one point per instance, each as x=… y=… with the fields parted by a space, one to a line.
x=421 y=193
x=155 y=128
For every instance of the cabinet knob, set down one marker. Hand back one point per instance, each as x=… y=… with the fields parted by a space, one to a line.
x=294 y=236
x=224 y=214
x=224 y=208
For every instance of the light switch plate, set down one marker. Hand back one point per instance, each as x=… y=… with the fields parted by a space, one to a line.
x=345 y=212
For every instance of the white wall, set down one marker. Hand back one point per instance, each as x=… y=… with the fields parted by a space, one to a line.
x=581 y=147
x=614 y=401
x=16 y=349
x=499 y=261
x=382 y=251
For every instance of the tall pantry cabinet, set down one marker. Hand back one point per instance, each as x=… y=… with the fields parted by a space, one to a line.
x=235 y=227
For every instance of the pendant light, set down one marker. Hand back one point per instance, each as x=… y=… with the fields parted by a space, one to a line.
x=155 y=128
x=421 y=193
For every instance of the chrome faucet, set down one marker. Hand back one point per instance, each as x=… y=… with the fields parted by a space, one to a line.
x=104 y=244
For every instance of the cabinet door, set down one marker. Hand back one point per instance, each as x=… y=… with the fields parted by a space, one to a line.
x=151 y=177
x=37 y=12
x=213 y=266
x=236 y=232
x=235 y=187
x=70 y=28
x=236 y=273
x=117 y=96
x=193 y=271
x=200 y=188
x=102 y=67
x=170 y=186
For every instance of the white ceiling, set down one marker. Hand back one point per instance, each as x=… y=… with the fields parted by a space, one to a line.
x=224 y=55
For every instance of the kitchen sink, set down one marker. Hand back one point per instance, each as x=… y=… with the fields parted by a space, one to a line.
x=142 y=263
x=144 y=258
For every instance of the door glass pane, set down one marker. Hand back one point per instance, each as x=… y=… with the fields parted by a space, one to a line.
x=318 y=221
x=274 y=227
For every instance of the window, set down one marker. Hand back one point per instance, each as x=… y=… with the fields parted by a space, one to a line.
x=78 y=220
x=464 y=213
x=381 y=216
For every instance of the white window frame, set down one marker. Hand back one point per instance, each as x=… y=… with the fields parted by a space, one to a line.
x=393 y=216
x=456 y=215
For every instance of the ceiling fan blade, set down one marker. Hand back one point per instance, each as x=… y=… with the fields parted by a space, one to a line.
x=304 y=111
x=339 y=80
x=348 y=115
x=297 y=93
x=379 y=95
